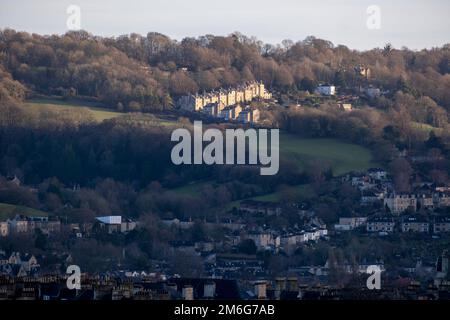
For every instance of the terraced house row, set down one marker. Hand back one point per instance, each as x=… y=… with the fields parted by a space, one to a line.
x=225 y=97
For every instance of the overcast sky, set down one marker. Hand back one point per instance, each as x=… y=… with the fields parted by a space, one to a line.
x=416 y=24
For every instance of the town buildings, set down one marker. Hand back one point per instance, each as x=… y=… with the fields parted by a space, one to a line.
x=350 y=223
x=380 y=224
x=229 y=105
x=116 y=224
x=441 y=199
x=225 y=98
x=399 y=202
x=24 y=224
x=415 y=223
x=441 y=224
x=260 y=207
x=18 y=265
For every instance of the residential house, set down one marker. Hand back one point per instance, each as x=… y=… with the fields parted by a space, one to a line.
x=415 y=223
x=362 y=182
x=4 y=229
x=441 y=224
x=19 y=265
x=24 y=224
x=211 y=109
x=363 y=71
x=442 y=199
x=19 y=224
x=400 y=202
x=231 y=112
x=264 y=239
x=380 y=224
x=350 y=223
x=345 y=106
x=372 y=92
x=293 y=238
x=48 y=225
x=249 y=115
x=182 y=224
x=377 y=174
x=425 y=200
x=260 y=207
x=326 y=90
x=127 y=225
x=225 y=98
x=371 y=196
x=114 y=224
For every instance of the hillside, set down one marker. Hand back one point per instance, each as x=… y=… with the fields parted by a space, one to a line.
x=10 y=210
x=342 y=156
x=98 y=113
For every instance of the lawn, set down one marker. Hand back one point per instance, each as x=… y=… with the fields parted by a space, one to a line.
x=342 y=156
x=98 y=113
x=10 y=210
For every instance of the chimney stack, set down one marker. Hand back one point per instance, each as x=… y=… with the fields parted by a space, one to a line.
x=261 y=290
x=188 y=292
x=209 y=290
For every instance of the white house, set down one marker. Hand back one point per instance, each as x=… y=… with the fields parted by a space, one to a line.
x=350 y=223
x=326 y=90
x=116 y=224
x=373 y=92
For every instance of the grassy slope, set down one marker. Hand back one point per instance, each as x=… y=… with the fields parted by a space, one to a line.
x=342 y=156
x=10 y=210
x=97 y=112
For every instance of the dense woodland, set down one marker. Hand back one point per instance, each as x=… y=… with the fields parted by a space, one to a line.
x=146 y=72
x=122 y=167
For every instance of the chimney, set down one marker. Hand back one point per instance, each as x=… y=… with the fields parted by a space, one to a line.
x=209 y=290
x=172 y=288
x=292 y=284
x=301 y=291
x=261 y=290
x=188 y=292
x=280 y=286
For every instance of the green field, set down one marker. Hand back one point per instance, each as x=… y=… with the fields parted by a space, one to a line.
x=10 y=210
x=342 y=156
x=98 y=113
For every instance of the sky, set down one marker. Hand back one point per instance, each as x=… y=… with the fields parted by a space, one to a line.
x=416 y=24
